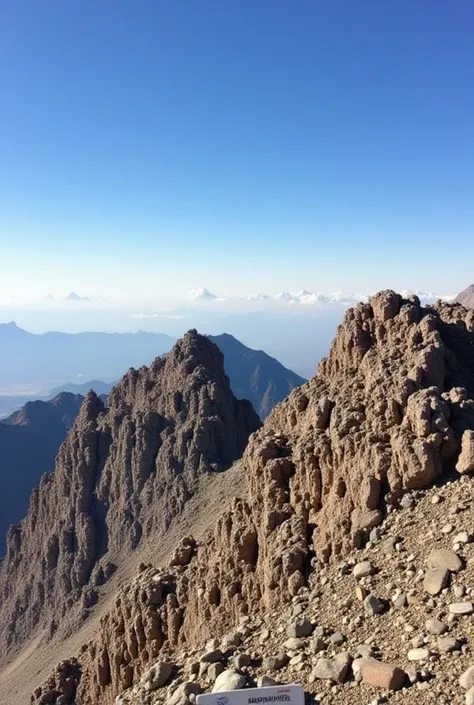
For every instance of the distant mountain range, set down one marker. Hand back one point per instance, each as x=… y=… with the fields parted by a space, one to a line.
x=28 y=358
x=100 y=388
x=29 y=441
x=254 y=375
x=52 y=358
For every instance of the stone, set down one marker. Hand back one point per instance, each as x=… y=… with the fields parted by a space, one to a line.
x=212 y=656
x=361 y=593
x=299 y=658
x=400 y=601
x=157 y=676
x=418 y=654
x=231 y=639
x=445 y=558
x=466 y=458
x=266 y=682
x=183 y=552
x=242 y=661
x=274 y=663
x=369 y=519
x=382 y=675
x=316 y=645
x=373 y=605
x=435 y=580
x=448 y=644
x=462 y=537
x=214 y=670
x=461 y=608
x=466 y=681
x=363 y=569
x=334 y=669
x=300 y=628
x=181 y=696
x=294 y=644
x=229 y=680
x=337 y=639
x=435 y=626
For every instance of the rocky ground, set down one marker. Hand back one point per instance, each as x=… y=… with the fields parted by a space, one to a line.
x=392 y=623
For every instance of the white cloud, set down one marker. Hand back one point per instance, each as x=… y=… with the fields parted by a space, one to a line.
x=308 y=298
x=202 y=294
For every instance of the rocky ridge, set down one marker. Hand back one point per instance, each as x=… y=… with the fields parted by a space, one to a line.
x=466 y=297
x=390 y=411
x=369 y=629
x=121 y=476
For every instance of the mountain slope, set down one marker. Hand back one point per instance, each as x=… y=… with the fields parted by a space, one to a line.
x=466 y=297
x=391 y=410
x=29 y=441
x=100 y=388
x=254 y=375
x=52 y=357
x=121 y=476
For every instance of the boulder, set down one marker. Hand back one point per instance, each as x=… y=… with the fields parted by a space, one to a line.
x=229 y=680
x=157 y=676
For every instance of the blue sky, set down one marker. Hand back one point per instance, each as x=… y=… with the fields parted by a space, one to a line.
x=147 y=148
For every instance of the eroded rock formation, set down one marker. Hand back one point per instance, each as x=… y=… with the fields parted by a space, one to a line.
x=391 y=409
x=121 y=476
x=388 y=412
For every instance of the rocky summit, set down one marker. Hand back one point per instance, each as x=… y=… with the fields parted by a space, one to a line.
x=466 y=297
x=121 y=476
x=335 y=567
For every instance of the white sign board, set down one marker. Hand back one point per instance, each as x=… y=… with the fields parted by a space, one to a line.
x=274 y=695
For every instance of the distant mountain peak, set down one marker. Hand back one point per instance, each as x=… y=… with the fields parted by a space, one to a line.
x=74 y=296
x=254 y=375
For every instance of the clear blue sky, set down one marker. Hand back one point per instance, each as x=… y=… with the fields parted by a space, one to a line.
x=148 y=147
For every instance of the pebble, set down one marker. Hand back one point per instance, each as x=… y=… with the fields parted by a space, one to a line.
x=435 y=580
x=335 y=669
x=445 y=558
x=461 y=608
x=448 y=644
x=362 y=570
x=418 y=654
x=302 y=627
x=435 y=626
x=466 y=681
x=373 y=605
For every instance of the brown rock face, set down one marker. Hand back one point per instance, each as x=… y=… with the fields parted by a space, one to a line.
x=121 y=475
x=466 y=297
x=386 y=413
